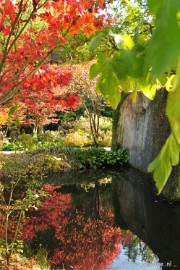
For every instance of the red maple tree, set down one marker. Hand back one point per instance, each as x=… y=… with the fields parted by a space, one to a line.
x=30 y=32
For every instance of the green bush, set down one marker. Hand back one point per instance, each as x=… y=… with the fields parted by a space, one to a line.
x=51 y=137
x=27 y=141
x=88 y=158
x=13 y=146
x=29 y=166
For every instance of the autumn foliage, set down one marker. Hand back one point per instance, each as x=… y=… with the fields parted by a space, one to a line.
x=83 y=243
x=30 y=32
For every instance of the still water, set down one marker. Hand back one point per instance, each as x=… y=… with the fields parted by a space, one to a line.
x=109 y=220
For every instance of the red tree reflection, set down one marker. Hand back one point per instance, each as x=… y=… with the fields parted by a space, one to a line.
x=83 y=243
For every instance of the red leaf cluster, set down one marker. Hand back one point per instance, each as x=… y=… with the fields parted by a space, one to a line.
x=50 y=214
x=24 y=47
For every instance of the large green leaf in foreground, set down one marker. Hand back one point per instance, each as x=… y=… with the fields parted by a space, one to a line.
x=164 y=47
x=162 y=165
x=173 y=106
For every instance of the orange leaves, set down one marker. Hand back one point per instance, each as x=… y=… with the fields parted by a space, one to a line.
x=7 y=3
x=4 y=115
x=6 y=88
x=102 y=4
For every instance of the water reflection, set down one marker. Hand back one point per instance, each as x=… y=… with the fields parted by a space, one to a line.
x=76 y=229
x=154 y=220
x=76 y=224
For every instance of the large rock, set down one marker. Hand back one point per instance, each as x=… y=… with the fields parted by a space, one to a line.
x=141 y=127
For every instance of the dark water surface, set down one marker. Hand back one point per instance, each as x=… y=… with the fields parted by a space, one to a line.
x=150 y=226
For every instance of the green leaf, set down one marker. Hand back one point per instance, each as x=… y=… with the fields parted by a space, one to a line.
x=173 y=107
x=124 y=41
x=95 y=42
x=127 y=42
x=95 y=70
x=136 y=34
x=135 y=61
x=120 y=64
x=126 y=85
x=162 y=173
x=108 y=85
x=154 y=164
x=162 y=165
x=13 y=108
x=98 y=67
x=174 y=150
x=163 y=48
x=162 y=79
x=155 y=5
x=128 y=63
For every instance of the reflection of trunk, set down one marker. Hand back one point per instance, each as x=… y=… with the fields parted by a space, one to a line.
x=151 y=218
x=95 y=203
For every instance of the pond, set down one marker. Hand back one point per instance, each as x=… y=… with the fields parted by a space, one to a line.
x=106 y=220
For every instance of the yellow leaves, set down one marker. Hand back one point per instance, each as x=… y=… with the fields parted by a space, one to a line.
x=128 y=42
x=149 y=90
x=170 y=82
x=4 y=116
x=124 y=42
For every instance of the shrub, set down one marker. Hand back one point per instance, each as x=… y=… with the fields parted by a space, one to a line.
x=27 y=141
x=78 y=138
x=105 y=138
x=13 y=146
x=88 y=158
x=81 y=133
x=51 y=137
